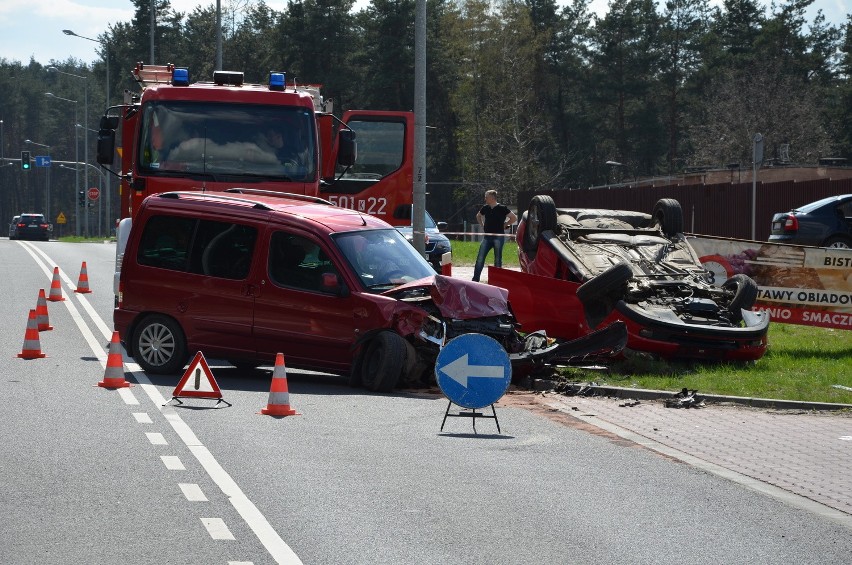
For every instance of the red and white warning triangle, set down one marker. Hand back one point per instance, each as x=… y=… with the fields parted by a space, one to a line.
x=197 y=381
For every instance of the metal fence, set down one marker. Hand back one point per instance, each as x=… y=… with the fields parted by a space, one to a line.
x=722 y=210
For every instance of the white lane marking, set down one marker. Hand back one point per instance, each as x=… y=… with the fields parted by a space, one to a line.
x=142 y=417
x=254 y=518
x=172 y=463
x=127 y=396
x=192 y=492
x=156 y=438
x=96 y=347
x=277 y=547
x=217 y=529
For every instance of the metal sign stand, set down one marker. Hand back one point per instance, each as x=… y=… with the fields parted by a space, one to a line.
x=470 y=413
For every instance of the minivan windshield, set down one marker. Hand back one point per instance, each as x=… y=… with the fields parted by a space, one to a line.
x=383 y=258
x=190 y=138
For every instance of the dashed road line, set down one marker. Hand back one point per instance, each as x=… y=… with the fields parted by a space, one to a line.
x=172 y=463
x=192 y=492
x=156 y=438
x=142 y=418
x=217 y=529
x=254 y=519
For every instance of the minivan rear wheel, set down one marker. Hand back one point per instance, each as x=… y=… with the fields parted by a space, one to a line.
x=159 y=345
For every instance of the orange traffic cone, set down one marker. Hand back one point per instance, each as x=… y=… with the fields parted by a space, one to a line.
x=279 y=396
x=55 y=290
x=83 y=281
x=41 y=312
x=114 y=373
x=32 y=345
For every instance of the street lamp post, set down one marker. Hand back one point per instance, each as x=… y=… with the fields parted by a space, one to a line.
x=47 y=179
x=76 y=156
x=85 y=133
x=105 y=45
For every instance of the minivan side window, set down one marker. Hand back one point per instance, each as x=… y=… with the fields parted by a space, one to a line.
x=216 y=249
x=297 y=262
x=165 y=242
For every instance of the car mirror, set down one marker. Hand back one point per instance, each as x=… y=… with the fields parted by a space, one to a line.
x=442 y=226
x=106 y=146
x=347 y=149
x=332 y=284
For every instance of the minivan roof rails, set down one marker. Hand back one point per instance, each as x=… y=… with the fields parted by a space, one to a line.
x=218 y=195
x=261 y=192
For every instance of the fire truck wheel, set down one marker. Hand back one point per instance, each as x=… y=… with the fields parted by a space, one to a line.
x=745 y=294
x=383 y=361
x=159 y=345
x=669 y=216
x=541 y=216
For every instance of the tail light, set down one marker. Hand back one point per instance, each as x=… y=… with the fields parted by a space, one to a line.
x=120 y=298
x=791 y=223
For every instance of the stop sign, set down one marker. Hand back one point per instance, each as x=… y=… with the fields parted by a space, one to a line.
x=94 y=193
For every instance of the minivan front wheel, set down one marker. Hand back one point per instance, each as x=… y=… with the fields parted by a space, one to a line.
x=159 y=345
x=383 y=360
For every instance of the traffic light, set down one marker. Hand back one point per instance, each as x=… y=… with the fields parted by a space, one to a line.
x=25 y=160
x=81 y=199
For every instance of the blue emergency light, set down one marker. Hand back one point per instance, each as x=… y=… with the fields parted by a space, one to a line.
x=277 y=81
x=180 y=77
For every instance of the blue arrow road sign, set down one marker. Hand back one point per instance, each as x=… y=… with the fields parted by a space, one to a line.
x=42 y=160
x=473 y=370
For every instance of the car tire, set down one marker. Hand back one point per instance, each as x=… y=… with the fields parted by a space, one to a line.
x=540 y=217
x=668 y=215
x=159 y=346
x=837 y=242
x=383 y=361
x=745 y=294
x=603 y=285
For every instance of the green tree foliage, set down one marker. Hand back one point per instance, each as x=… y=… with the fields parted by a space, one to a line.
x=521 y=94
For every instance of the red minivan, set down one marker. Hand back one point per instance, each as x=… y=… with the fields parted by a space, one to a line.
x=245 y=274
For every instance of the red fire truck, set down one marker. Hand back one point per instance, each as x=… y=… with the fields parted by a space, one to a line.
x=212 y=136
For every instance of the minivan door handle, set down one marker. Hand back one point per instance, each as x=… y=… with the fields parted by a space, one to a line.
x=250 y=290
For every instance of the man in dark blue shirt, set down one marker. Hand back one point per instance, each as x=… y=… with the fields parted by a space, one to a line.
x=494 y=219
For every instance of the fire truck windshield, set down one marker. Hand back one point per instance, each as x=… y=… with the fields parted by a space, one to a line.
x=227 y=140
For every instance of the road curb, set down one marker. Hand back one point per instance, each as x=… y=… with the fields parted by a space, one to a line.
x=648 y=394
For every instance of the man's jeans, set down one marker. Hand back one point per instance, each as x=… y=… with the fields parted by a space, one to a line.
x=489 y=242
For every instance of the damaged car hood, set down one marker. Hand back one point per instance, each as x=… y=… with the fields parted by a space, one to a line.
x=458 y=299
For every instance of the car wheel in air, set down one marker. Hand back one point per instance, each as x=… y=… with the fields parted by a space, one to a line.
x=838 y=242
x=541 y=216
x=668 y=215
x=159 y=345
x=383 y=361
x=745 y=294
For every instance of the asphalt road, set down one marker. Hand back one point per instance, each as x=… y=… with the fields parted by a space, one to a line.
x=91 y=475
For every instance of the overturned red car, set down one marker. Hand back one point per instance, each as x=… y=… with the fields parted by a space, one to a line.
x=581 y=268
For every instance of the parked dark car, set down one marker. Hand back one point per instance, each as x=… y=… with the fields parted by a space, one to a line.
x=824 y=223
x=13 y=227
x=436 y=243
x=32 y=226
x=633 y=267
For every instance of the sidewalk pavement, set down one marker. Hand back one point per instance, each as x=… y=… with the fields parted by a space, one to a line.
x=798 y=452
x=800 y=456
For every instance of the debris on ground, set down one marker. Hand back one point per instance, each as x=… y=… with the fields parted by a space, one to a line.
x=630 y=403
x=685 y=399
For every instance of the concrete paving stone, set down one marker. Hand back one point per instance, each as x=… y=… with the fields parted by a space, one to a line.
x=796 y=450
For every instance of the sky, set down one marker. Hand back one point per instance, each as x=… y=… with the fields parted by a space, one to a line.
x=33 y=28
